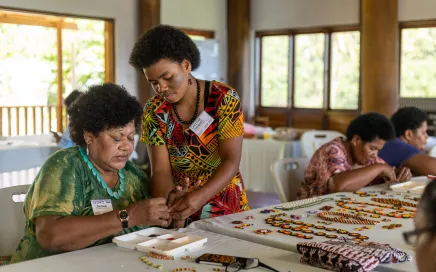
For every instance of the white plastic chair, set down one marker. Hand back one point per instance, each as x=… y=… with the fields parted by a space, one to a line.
x=314 y=139
x=432 y=152
x=288 y=174
x=12 y=221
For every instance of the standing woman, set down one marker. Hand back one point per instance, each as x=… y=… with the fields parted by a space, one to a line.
x=193 y=128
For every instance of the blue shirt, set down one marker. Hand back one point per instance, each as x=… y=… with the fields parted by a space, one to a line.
x=396 y=152
x=66 y=139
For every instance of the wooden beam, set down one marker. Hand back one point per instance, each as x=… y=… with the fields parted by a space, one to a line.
x=59 y=102
x=196 y=32
x=380 y=56
x=238 y=46
x=149 y=16
x=109 y=67
x=35 y=20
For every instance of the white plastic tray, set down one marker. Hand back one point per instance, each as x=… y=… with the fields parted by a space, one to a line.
x=161 y=241
x=415 y=186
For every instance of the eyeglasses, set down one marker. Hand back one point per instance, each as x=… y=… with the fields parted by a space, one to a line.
x=411 y=237
x=248 y=263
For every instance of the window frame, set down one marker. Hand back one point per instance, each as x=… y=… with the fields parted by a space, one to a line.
x=207 y=34
x=291 y=33
x=410 y=25
x=56 y=20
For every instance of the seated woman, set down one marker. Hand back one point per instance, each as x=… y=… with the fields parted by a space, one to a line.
x=424 y=235
x=85 y=195
x=193 y=128
x=408 y=148
x=347 y=165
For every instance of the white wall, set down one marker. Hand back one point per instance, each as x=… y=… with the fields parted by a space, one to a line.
x=279 y=14
x=411 y=10
x=203 y=15
x=124 y=13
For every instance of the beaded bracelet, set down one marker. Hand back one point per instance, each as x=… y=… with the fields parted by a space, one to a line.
x=355 y=219
x=394 y=202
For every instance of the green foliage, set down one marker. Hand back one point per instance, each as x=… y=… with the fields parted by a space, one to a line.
x=418 y=58
x=275 y=71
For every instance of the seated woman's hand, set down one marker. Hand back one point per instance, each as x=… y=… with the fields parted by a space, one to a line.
x=403 y=174
x=149 y=212
x=388 y=173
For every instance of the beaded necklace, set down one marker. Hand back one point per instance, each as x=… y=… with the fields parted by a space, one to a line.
x=117 y=194
x=398 y=214
x=346 y=218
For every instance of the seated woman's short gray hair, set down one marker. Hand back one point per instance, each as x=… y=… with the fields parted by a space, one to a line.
x=102 y=107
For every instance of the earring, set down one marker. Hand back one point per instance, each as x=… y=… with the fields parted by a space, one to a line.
x=190 y=81
x=87 y=150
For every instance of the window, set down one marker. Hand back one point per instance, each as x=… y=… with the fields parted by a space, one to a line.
x=196 y=34
x=66 y=54
x=298 y=70
x=418 y=58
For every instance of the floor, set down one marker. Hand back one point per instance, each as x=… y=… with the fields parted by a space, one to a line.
x=260 y=200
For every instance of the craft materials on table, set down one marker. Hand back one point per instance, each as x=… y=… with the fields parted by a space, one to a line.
x=304 y=203
x=346 y=218
x=146 y=261
x=243 y=226
x=377 y=211
x=159 y=256
x=345 y=255
x=184 y=269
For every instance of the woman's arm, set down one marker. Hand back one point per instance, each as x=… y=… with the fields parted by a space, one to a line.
x=421 y=164
x=67 y=233
x=161 y=177
x=353 y=180
x=230 y=154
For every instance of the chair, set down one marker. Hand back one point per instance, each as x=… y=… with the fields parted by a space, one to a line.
x=12 y=222
x=314 y=139
x=432 y=152
x=288 y=174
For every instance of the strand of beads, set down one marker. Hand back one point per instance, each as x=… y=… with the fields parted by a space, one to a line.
x=346 y=218
x=187 y=258
x=394 y=202
x=159 y=256
x=184 y=269
x=146 y=261
x=398 y=214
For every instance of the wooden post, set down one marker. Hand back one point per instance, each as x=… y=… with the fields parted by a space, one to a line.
x=149 y=16
x=238 y=44
x=380 y=56
x=109 y=67
x=59 y=102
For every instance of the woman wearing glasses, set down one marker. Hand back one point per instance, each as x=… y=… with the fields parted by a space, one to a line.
x=424 y=235
x=193 y=128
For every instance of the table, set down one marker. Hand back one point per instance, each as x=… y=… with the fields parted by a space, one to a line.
x=25 y=152
x=256 y=159
x=223 y=225
x=109 y=257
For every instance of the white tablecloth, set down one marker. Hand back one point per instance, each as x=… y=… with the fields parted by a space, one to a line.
x=257 y=157
x=112 y=258
x=223 y=225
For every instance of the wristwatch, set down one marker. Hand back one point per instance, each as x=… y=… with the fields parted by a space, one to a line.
x=123 y=215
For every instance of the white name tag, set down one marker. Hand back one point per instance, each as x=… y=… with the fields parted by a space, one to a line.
x=200 y=124
x=101 y=206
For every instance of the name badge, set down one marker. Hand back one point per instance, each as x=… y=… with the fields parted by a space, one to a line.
x=101 y=206
x=200 y=124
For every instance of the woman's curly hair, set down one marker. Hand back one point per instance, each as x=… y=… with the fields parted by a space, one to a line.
x=164 y=42
x=102 y=107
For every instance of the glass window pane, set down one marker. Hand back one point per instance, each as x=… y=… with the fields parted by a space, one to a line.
x=345 y=61
x=274 y=70
x=309 y=70
x=418 y=58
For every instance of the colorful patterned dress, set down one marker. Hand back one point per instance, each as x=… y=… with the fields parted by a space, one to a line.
x=197 y=157
x=65 y=186
x=330 y=159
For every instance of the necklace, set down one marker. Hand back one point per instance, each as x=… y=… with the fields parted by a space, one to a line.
x=116 y=194
x=346 y=218
x=394 y=202
x=197 y=106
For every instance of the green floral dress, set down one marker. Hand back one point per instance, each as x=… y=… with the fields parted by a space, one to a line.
x=65 y=186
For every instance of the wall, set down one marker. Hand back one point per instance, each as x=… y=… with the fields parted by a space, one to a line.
x=203 y=15
x=122 y=11
x=411 y=10
x=279 y=14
